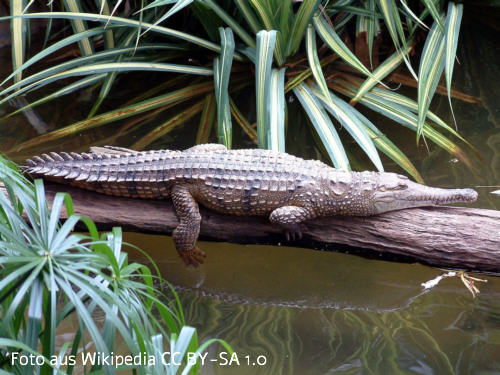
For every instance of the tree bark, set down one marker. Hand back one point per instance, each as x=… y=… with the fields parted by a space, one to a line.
x=451 y=237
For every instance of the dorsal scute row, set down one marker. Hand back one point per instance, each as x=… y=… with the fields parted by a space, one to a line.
x=169 y=166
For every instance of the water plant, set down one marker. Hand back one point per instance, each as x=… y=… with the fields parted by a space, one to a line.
x=332 y=56
x=54 y=279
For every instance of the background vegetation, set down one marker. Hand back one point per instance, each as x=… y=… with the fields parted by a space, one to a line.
x=331 y=56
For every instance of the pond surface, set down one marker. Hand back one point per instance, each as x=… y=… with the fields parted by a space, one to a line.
x=311 y=312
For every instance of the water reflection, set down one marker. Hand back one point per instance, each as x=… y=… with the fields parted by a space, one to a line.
x=316 y=312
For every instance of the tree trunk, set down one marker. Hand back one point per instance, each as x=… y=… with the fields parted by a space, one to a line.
x=450 y=237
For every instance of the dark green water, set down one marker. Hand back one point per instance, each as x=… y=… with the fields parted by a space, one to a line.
x=310 y=312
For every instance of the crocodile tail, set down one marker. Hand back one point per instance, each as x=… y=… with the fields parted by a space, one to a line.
x=61 y=165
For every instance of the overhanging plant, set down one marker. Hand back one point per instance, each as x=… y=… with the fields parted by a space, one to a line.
x=287 y=48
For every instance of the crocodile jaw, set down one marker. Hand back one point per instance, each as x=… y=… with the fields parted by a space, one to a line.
x=416 y=195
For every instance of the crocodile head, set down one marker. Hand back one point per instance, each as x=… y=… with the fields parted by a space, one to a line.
x=396 y=192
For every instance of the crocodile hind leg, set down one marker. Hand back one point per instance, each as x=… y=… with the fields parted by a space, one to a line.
x=186 y=233
x=290 y=218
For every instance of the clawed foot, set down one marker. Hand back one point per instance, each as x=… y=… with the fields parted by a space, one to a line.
x=293 y=232
x=193 y=257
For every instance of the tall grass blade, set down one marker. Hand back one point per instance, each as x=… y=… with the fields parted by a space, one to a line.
x=413 y=15
x=113 y=67
x=267 y=12
x=53 y=48
x=331 y=38
x=314 y=64
x=348 y=117
x=393 y=23
x=277 y=120
x=79 y=26
x=222 y=72
x=431 y=6
x=411 y=105
x=385 y=145
x=206 y=120
x=179 y=5
x=249 y=15
x=453 y=21
x=109 y=39
x=64 y=91
x=110 y=78
x=243 y=122
x=265 y=46
x=368 y=27
x=323 y=125
x=170 y=98
x=168 y=126
x=18 y=36
x=430 y=69
x=300 y=23
x=382 y=71
x=235 y=26
x=86 y=60
x=408 y=119
x=120 y=21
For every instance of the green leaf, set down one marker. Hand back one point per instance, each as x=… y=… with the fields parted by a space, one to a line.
x=179 y=5
x=168 y=126
x=249 y=15
x=431 y=6
x=64 y=91
x=277 y=114
x=243 y=122
x=86 y=60
x=331 y=38
x=369 y=23
x=323 y=125
x=430 y=69
x=109 y=80
x=170 y=98
x=222 y=71
x=411 y=105
x=126 y=22
x=79 y=26
x=382 y=71
x=114 y=67
x=314 y=64
x=385 y=145
x=393 y=23
x=53 y=48
x=18 y=35
x=109 y=39
x=302 y=19
x=206 y=120
x=240 y=31
x=266 y=12
x=413 y=15
x=406 y=118
x=265 y=47
x=453 y=20
x=348 y=117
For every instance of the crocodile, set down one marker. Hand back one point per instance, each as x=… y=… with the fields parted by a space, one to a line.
x=287 y=189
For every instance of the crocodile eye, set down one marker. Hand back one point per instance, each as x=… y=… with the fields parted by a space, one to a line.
x=402 y=186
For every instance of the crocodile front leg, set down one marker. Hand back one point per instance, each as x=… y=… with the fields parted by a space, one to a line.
x=186 y=233
x=290 y=218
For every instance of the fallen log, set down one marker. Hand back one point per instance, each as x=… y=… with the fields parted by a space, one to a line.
x=451 y=237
